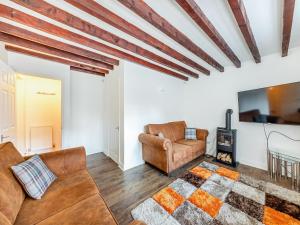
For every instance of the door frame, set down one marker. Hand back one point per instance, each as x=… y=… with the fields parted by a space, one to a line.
x=112 y=84
x=25 y=127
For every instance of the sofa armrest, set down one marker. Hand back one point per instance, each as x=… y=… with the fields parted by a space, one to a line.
x=155 y=141
x=201 y=134
x=65 y=161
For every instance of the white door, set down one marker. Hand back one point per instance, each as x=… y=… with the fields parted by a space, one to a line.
x=113 y=117
x=7 y=104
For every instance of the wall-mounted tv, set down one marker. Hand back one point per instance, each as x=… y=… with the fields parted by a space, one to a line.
x=277 y=104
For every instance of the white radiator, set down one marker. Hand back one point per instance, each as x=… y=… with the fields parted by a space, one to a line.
x=41 y=138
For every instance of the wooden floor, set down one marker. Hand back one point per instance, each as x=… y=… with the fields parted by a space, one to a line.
x=123 y=191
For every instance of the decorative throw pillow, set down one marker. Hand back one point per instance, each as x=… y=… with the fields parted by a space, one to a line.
x=190 y=134
x=34 y=176
x=161 y=135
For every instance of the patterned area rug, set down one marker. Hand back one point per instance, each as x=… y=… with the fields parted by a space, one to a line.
x=209 y=194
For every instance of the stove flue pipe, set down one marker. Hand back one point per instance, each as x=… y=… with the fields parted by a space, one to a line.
x=228 y=119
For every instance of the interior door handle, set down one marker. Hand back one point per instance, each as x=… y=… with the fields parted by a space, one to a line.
x=3 y=137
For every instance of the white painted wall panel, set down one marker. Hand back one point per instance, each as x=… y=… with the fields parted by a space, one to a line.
x=87 y=98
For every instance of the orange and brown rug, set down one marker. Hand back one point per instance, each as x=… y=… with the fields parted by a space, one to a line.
x=213 y=195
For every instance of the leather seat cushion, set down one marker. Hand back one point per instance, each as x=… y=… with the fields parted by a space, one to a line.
x=63 y=193
x=181 y=152
x=91 y=211
x=197 y=145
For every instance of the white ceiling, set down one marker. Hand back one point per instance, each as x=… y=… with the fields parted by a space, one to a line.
x=265 y=17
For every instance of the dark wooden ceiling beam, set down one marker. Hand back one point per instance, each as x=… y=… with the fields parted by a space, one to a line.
x=195 y=12
x=10 y=39
x=73 y=68
x=55 y=13
x=147 y=13
x=25 y=19
x=51 y=58
x=240 y=14
x=30 y=36
x=288 y=14
x=93 y=8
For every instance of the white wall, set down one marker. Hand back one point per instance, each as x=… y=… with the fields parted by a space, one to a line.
x=87 y=102
x=209 y=97
x=149 y=97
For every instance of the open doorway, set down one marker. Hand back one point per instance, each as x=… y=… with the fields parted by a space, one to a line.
x=38 y=110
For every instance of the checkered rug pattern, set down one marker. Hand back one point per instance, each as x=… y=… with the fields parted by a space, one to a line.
x=209 y=194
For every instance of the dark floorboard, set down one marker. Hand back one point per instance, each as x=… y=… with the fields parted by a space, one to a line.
x=123 y=191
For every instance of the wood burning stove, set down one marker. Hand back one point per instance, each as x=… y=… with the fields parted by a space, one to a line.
x=226 y=142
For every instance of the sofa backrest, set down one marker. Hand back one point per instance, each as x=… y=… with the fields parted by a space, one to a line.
x=173 y=130
x=178 y=129
x=11 y=192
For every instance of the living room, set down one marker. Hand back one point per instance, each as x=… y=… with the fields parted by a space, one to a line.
x=160 y=119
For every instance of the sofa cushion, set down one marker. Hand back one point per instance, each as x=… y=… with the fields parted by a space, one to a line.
x=92 y=210
x=178 y=129
x=11 y=192
x=181 y=151
x=34 y=176
x=62 y=162
x=197 y=145
x=63 y=193
x=190 y=134
x=165 y=129
x=4 y=220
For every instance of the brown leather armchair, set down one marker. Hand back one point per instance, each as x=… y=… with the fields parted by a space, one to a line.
x=172 y=151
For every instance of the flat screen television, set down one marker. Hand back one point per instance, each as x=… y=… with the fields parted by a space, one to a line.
x=276 y=104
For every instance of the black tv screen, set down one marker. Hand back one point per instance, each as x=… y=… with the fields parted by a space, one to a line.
x=277 y=104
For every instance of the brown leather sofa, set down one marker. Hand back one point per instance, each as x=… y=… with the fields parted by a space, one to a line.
x=72 y=199
x=172 y=151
